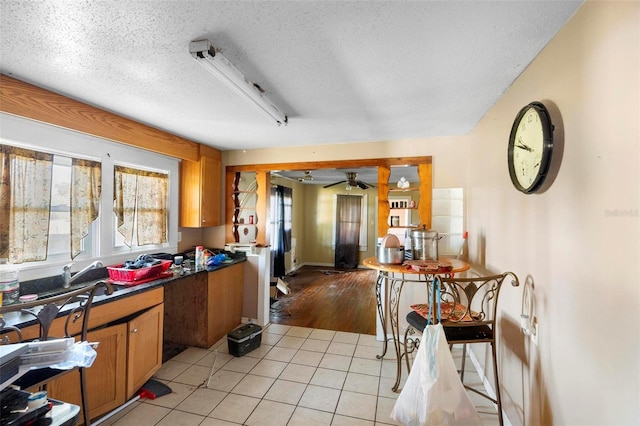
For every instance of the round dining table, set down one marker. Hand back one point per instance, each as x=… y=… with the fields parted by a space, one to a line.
x=392 y=278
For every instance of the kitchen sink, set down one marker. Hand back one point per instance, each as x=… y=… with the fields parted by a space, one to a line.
x=77 y=298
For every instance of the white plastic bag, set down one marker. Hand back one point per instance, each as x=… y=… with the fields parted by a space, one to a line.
x=433 y=394
x=81 y=354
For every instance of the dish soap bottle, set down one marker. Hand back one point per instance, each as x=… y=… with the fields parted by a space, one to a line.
x=9 y=284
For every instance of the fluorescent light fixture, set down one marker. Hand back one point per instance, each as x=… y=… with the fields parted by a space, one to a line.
x=205 y=53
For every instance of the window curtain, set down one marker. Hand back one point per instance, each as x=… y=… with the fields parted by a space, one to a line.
x=348 y=218
x=86 y=189
x=25 y=204
x=281 y=212
x=140 y=203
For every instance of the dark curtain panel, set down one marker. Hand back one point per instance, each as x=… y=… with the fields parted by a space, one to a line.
x=348 y=216
x=281 y=206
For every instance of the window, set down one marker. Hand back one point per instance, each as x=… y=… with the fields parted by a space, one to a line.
x=60 y=226
x=74 y=156
x=281 y=201
x=49 y=202
x=140 y=207
x=59 y=221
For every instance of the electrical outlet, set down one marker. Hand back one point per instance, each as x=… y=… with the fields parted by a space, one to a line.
x=179 y=236
x=534 y=332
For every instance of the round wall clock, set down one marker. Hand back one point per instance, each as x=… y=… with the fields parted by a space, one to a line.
x=530 y=148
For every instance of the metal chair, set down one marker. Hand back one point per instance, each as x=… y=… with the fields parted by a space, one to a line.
x=74 y=306
x=469 y=317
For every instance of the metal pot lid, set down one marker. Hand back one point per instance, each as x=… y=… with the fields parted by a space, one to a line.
x=424 y=233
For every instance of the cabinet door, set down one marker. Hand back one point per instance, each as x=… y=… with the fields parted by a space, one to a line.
x=190 y=204
x=200 y=192
x=216 y=307
x=235 y=280
x=144 y=353
x=210 y=168
x=185 y=311
x=105 y=378
x=225 y=301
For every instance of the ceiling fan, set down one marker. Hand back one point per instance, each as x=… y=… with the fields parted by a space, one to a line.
x=307 y=176
x=352 y=181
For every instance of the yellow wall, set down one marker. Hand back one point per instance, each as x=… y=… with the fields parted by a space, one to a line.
x=577 y=244
x=319 y=221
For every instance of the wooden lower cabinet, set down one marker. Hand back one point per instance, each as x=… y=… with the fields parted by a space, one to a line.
x=203 y=308
x=144 y=348
x=105 y=378
x=128 y=354
x=227 y=285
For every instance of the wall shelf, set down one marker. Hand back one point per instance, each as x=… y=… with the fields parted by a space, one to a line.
x=404 y=189
x=419 y=192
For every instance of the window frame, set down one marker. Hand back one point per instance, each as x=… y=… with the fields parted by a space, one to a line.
x=35 y=135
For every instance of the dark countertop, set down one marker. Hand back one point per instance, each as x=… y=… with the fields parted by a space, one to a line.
x=22 y=320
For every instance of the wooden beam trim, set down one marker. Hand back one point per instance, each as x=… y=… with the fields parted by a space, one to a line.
x=313 y=165
x=29 y=101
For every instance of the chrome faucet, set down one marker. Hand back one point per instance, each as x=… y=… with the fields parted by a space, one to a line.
x=66 y=272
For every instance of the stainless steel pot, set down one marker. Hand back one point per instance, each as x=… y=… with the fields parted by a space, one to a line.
x=425 y=243
x=391 y=255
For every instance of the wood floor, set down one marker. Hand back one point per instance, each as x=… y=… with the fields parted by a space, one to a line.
x=329 y=299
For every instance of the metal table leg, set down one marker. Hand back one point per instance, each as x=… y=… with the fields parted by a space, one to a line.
x=382 y=277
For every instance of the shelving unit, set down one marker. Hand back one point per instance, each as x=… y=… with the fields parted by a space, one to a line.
x=409 y=217
x=244 y=220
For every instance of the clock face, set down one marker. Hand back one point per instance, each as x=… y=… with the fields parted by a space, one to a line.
x=530 y=146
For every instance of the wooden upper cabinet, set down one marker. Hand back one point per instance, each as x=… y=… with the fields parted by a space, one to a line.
x=200 y=189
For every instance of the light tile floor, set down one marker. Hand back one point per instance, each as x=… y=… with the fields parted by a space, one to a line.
x=298 y=376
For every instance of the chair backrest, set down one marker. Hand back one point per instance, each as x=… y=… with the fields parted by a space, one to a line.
x=74 y=305
x=471 y=301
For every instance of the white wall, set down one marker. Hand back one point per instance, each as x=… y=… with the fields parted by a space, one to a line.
x=577 y=243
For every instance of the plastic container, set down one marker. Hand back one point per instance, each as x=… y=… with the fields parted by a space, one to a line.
x=200 y=262
x=9 y=284
x=244 y=339
x=120 y=274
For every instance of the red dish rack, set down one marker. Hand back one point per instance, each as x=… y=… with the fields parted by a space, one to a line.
x=123 y=275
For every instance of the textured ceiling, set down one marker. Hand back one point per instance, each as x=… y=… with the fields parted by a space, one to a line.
x=343 y=71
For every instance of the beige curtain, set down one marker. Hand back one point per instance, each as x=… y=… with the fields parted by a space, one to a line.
x=140 y=202
x=86 y=188
x=25 y=199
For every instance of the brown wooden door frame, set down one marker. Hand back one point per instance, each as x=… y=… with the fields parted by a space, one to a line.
x=384 y=165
